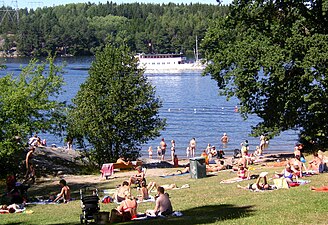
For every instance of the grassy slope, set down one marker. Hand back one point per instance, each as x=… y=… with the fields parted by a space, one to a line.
x=206 y=202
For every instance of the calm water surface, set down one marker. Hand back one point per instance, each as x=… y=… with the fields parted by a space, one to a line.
x=191 y=106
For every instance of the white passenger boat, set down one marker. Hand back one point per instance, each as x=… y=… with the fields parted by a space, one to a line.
x=168 y=63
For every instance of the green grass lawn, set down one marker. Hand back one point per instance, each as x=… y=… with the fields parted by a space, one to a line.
x=205 y=202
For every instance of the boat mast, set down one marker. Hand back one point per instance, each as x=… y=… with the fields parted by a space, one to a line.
x=196 y=53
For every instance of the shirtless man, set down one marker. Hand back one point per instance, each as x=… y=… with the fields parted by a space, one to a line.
x=163 y=149
x=224 y=139
x=192 y=145
x=163 y=204
x=65 y=194
x=28 y=162
x=122 y=160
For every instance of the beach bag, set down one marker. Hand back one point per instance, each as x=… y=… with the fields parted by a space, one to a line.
x=322 y=167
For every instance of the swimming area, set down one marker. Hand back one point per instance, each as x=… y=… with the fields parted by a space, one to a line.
x=191 y=105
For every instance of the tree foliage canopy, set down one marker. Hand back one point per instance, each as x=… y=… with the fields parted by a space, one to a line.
x=272 y=56
x=80 y=29
x=116 y=109
x=28 y=104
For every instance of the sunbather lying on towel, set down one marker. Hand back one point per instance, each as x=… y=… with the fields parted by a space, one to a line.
x=178 y=172
x=166 y=187
x=216 y=167
x=321 y=189
x=258 y=185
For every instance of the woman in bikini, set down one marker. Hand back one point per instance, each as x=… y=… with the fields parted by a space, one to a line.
x=126 y=211
x=119 y=196
x=243 y=172
x=138 y=178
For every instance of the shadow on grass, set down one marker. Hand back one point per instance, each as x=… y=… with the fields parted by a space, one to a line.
x=15 y=223
x=205 y=215
x=200 y=215
x=47 y=190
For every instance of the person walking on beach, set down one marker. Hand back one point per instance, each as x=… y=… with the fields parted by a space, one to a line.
x=192 y=145
x=172 y=150
x=163 y=149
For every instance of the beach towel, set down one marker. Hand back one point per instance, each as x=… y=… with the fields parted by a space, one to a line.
x=280 y=183
x=302 y=182
x=41 y=203
x=46 y=202
x=107 y=170
x=232 y=180
x=150 y=214
x=109 y=191
x=150 y=199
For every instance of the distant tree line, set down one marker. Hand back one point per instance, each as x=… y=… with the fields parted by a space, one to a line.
x=79 y=29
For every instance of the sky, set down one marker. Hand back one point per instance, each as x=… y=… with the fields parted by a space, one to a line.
x=48 y=3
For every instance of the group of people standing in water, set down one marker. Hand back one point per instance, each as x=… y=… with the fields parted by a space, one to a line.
x=191 y=148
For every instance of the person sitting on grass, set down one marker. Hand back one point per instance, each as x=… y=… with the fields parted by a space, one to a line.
x=144 y=192
x=137 y=178
x=163 y=204
x=205 y=155
x=287 y=173
x=297 y=166
x=258 y=186
x=243 y=173
x=126 y=211
x=315 y=163
x=119 y=195
x=65 y=193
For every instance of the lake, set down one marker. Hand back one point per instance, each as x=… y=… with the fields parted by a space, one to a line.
x=191 y=105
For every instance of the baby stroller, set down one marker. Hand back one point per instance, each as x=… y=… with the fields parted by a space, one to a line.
x=89 y=204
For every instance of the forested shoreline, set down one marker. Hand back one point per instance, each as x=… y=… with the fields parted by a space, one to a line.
x=81 y=29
